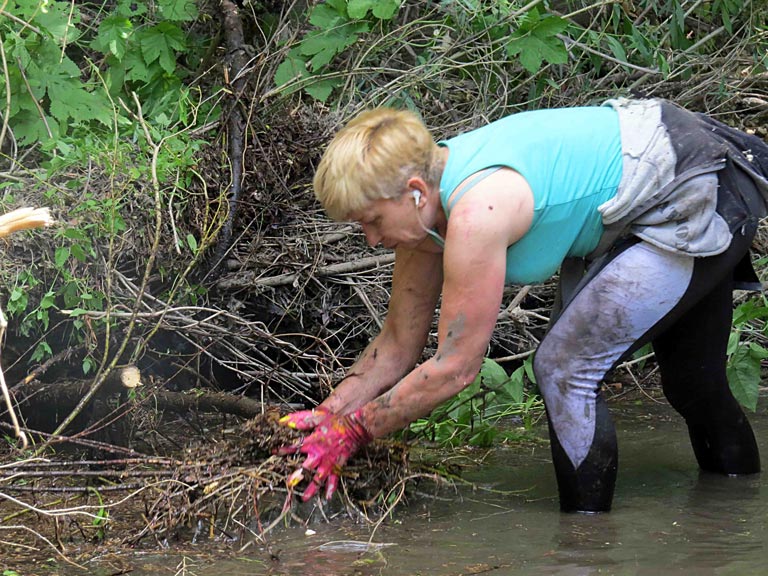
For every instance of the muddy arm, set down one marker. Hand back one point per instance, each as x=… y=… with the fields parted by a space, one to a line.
x=394 y=352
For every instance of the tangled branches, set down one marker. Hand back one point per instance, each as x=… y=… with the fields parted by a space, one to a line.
x=127 y=277
x=232 y=489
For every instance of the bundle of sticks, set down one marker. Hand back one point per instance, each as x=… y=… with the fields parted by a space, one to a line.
x=19 y=219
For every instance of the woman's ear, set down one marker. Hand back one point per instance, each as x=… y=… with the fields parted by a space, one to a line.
x=417 y=184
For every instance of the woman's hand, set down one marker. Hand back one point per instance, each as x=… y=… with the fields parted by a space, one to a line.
x=328 y=448
x=305 y=419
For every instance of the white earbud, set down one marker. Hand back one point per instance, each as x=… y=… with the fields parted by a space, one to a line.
x=416 y=197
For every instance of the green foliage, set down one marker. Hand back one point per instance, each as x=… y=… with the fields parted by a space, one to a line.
x=102 y=516
x=47 y=93
x=668 y=29
x=517 y=39
x=536 y=41
x=474 y=415
x=745 y=354
x=336 y=25
x=69 y=272
x=136 y=48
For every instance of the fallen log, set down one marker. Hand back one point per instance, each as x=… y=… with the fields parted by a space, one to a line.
x=65 y=394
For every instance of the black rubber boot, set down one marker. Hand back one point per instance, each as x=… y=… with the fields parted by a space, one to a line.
x=589 y=488
x=725 y=445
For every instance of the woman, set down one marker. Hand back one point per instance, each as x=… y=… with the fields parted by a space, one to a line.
x=649 y=210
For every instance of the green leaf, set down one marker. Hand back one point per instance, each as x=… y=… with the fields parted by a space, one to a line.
x=743 y=373
x=114 y=223
x=535 y=41
x=617 y=48
x=484 y=436
x=322 y=46
x=358 y=9
x=640 y=43
x=178 y=10
x=18 y=298
x=463 y=414
x=529 y=22
x=727 y=20
x=16 y=46
x=549 y=25
x=70 y=295
x=136 y=69
x=56 y=20
x=513 y=388
x=192 y=243
x=758 y=351
x=29 y=128
x=382 y=9
x=294 y=66
x=71 y=100
x=130 y=8
x=662 y=63
x=42 y=317
x=79 y=253
x=733 y=342
x=160 y=43
x=42 y=351
x=114 y=33
x=325 y=16
x=48 y=300
x=75 y=234
x=528 y=365
x=492 y=374
x=534 y=50
x=320 y=90
x=750 y=310
x=385 y=9
x=472 y=389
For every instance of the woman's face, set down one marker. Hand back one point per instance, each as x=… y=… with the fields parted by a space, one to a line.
x=391 y=222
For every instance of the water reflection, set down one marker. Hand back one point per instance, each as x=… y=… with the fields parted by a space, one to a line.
x=719 y=524
x=583 y=544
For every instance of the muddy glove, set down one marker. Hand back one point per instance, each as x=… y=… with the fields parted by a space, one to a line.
x=305 y=419
x=328 y=448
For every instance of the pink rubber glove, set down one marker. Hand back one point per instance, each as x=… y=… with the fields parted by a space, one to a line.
x=305 y=419
x=328 y=448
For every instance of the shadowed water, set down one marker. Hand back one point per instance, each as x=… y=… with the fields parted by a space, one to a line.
x=667 y=519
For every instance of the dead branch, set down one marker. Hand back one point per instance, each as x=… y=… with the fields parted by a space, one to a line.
x=220 y=485
x=65 y=394
x=209 y=402
x=250 y=279
x=236 y=62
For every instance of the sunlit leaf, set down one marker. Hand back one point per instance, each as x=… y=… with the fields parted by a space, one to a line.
x=743 y=373
x=178 y=10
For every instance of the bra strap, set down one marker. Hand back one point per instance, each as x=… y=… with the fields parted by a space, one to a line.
x=474 y=179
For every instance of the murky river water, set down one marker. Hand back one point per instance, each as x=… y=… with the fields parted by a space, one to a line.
x=667 y=519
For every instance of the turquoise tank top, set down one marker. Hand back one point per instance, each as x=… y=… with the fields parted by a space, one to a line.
x=571 y=159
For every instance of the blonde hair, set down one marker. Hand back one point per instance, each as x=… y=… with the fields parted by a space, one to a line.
x=373 y=157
